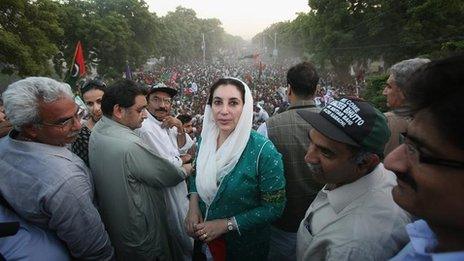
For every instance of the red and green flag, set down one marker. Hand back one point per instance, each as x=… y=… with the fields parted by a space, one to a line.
x=78 y=67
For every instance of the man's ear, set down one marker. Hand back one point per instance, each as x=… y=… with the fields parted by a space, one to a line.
x=368 y=163
x=118 y=112
x=289 y=90
x=30 y=131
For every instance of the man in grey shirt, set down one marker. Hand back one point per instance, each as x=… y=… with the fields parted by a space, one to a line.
x=40 y=178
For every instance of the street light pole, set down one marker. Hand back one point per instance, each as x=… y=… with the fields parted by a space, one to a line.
x=275 y=47
x=203 y=47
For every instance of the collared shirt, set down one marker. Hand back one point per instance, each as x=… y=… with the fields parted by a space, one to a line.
x=30 y=242
x=423 y=242
x=163 y=140
x=357 y=221
x=289 y=133
x=52 y=188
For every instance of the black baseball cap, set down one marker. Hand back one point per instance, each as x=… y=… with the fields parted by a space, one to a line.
x=351 y=121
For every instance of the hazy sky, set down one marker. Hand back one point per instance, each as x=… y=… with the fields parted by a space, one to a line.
x=239 y=17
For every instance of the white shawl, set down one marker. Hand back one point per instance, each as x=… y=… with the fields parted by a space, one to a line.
x=213 y=165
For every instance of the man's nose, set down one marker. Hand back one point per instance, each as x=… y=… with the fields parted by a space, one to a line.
x=396 y=160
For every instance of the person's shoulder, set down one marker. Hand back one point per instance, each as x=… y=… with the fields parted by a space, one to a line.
x=257 y=138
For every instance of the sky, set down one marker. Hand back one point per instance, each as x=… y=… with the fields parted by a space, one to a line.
x=244 y=18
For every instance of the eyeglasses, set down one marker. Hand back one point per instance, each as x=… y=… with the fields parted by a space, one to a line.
x=67 y=122
x=414 y=150
x=158 y=100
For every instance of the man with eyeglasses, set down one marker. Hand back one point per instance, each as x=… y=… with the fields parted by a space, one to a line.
x=353 y=217
x=42 y=180
x=396 y=82
x=130 y=178
x=165 y=134
x=429 y=164
x=5 y=125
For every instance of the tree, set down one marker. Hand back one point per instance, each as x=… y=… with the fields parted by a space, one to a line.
x=28 y=31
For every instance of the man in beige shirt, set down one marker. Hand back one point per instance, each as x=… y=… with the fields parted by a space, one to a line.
x=399 y=76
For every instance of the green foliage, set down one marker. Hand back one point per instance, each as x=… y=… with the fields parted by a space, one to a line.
x=28 y=31
x=112 y=32
x=373 y=91
x=346 y=32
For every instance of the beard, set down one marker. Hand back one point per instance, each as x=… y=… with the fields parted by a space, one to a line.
x=315 y=168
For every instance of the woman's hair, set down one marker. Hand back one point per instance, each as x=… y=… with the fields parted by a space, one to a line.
x=94 y=84
x=226 y=81
x=22 y=98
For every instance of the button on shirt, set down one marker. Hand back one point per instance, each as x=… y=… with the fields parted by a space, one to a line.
x=357 y=221
x=421 y=246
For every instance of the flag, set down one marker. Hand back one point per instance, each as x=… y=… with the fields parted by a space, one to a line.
x=78 y=66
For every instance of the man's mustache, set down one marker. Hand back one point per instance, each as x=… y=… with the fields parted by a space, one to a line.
x=406 y=178
x=315 y=168
x=161 y=109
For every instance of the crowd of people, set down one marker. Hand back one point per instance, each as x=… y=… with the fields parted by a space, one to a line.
x=234 y=162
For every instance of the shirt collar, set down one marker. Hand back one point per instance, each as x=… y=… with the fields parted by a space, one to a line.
x=424 y=241
x=153 y=119
x=61 y=151
x=300 y=103
x=342 y=196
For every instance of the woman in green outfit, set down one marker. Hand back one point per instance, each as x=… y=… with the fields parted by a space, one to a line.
x=238 y=187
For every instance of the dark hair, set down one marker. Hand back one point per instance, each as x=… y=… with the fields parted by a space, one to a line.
x=438 y=88
x=303 y=79
x=184 y=118
x=225 y=81
x=123 y=93
x=96 y=84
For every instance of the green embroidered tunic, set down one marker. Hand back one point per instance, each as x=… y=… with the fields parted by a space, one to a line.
x=254 y=193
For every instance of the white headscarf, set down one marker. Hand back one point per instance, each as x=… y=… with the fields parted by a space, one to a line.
x=213 y=165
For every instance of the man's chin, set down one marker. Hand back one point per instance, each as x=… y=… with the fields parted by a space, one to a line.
x=160 y=115
x=95 y=119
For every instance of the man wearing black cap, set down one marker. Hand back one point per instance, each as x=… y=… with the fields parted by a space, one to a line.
x=353 y=217
x=164 y=134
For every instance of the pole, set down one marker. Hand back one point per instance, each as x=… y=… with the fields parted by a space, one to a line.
x=275 y=46
x=203 y=46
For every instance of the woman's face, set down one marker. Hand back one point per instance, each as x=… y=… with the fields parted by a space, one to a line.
x=93 y=100
x=227 y=106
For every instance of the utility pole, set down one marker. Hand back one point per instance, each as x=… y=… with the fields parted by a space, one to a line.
x=203 y=47
x=274 y=53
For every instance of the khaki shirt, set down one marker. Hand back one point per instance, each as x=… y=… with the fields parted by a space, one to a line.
x=397 y=124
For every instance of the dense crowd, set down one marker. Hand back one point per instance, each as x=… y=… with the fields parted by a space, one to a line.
x=168 y=166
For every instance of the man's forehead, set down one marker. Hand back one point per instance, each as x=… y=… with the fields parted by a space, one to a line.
x=160 y=94
x=58 y=108
x=424 y=130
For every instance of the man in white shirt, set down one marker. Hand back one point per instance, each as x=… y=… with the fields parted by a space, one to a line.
x=164 y=133
x=354 y=216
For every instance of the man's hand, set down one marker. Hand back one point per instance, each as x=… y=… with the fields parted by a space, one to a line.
x=186 y=158
x=170 y=122
x=188 y=168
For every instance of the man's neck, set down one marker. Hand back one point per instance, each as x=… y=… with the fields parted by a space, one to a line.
x=449 y=239
x=294 y=99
